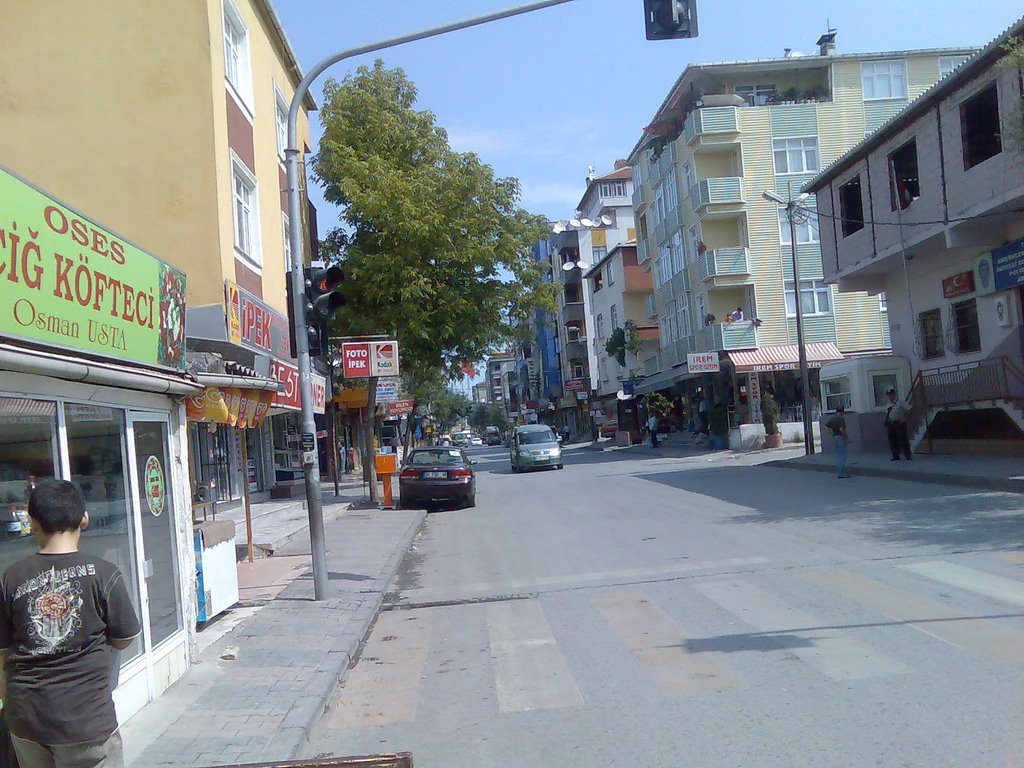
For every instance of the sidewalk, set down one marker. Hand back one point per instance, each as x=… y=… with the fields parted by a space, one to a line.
x=255 y=692
x=992 y=473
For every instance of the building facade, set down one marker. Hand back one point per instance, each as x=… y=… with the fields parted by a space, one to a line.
x=925 y=214
x=720 y=254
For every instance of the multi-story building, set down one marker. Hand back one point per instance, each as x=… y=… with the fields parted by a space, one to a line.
x=924 y=213
x=720 y=253
x=572 y=321
x=481 y=393
x=495 y=389
x=175 y=141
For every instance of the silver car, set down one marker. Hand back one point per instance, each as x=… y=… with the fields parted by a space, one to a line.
x=534 y=446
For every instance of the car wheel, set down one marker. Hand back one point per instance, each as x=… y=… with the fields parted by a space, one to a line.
x=403 y=502
x=561 y=466
x=471 y=500
x=514 y=467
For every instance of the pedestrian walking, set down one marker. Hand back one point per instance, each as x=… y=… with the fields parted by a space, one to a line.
x=61 y=613
x=565 y=433
x=840 y=438
x=652 y=427
x=896 y=413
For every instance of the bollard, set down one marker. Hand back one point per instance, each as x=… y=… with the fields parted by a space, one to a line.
x=387 y=465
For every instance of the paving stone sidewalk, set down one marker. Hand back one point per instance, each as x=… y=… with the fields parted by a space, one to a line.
x=254 y=694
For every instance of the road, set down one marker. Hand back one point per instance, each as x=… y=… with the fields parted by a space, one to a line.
x=698 y=611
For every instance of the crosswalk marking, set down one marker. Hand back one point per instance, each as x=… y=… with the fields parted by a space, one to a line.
x=940 y=621
x=529 y=670
x=383 y=686
x=833 y=652
x=997 y=587
x=660 y=645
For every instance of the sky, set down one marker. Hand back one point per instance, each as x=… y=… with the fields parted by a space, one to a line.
x=543 y=96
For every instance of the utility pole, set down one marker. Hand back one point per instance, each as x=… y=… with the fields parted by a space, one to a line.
x=311 y=469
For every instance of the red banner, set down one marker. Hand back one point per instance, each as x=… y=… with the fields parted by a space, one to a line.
x=288 y=375
x=400 y=408
x=958 y=285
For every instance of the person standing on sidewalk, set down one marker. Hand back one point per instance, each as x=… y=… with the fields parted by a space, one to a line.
x=62 y=614
x=652 y=427
x=841 y=439
x=896 y=413
x=565 y=433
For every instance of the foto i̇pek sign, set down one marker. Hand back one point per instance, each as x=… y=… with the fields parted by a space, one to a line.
x=369 y=358
x=67 y=282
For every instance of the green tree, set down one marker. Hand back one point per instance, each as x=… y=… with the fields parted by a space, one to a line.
x=436 y=250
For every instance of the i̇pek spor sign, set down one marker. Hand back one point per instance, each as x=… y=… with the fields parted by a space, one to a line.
x=67 y=282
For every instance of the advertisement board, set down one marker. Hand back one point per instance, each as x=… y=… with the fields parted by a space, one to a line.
x=702 y=362
x=400 y=407
x=253 y=324
x=288 y=375
x=387 y=390
x=574 y=385
x=959 y=284
x=67 y=282
x=360 y=359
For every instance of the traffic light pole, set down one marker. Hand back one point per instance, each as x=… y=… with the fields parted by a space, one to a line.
x=314 y=500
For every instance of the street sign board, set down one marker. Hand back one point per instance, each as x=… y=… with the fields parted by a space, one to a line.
x=629 y=386
x=355 y=359
x=702 y=362
x=384 y=358
x=400 y=407
x=574 y=385
x=1000 y=269
x=387 y=390
x=307 y=442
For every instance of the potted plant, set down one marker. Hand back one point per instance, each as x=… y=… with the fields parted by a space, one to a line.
x=790 y=95
x=770 y=419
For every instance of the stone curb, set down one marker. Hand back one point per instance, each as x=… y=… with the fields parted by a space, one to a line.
x=1006 y=485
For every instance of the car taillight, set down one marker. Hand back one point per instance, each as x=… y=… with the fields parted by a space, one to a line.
x=461 y=473
x=409 y=473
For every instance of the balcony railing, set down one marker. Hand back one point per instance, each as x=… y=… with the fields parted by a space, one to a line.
x=638 y=194
x=711 y=121
x=724 y=262
x=573 y=310
x=716 y=191
x=738 y=335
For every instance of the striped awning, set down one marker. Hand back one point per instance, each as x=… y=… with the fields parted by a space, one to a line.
x=784 y=357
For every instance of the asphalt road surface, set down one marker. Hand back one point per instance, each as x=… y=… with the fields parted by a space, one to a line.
x=698 y=612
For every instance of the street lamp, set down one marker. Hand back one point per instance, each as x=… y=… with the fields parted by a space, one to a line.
x=794 y=212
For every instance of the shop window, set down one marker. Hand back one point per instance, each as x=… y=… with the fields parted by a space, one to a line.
x=881 y=383
x=837 y=392
x=930 y=324
x=965 y=323
x=979 y=127
x=28 y=454
x=215 y=481
x=904 y=183
x=96 y=449
x=851 y=207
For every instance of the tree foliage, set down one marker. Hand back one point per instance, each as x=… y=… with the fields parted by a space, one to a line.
x=435 y=248
x=448 y=407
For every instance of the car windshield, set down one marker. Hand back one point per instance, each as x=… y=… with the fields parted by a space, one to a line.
x=535 y=437
x=438 y=456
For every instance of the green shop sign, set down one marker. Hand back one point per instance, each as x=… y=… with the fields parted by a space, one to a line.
x=67 y=282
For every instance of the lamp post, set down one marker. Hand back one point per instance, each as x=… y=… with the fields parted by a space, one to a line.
x=793 y=210
x=314 y=501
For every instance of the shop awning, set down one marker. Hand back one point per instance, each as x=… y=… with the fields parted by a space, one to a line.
x=660 y=380
x=238 y=401
x=784 y=357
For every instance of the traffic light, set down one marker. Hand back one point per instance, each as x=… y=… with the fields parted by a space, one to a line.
x=322 y=301
x=670 y=19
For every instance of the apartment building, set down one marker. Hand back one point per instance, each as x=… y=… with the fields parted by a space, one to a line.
x=720 y=253
x=165 y=122
x=925 y=214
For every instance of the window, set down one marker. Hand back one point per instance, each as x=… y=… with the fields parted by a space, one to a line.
x=666 y=326
x=806 y=231
x=948 y=64
x=965 y=322
x=236 y=52
x=903 y=178
x=614 y=316
x=577 y=369
x=287 y=245
x=796 y=155
x=671 y=193
x=246 y=214
x=613 y=189
x=883 y=302
x=598 y=252
x=598 y=282
x=609 y=271
x=637 y=178
x=683 y=318
x=572 y=332
x=815 y=298
x=702 y=308
x=755 y=95
x=884 y=79
x=281 y=122
x=600 y=326
x=695 y=241
x=881 y=383
x=689 y=176
x=837 y=393
x=676 y=251
x=851 y=207
x=931 y=334
x=658 y=207
x=979 y=127
x=664 y=264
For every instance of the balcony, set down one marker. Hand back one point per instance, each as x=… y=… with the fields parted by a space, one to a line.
x=724 y=262
x=727 y=190
x=635 y=280
x=711 y=124
x=573 y=312
x=739 y=335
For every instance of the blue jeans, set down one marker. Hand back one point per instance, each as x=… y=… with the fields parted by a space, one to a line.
x=840 y=443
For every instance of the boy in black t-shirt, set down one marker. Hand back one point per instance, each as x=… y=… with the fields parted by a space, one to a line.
x=61 y=613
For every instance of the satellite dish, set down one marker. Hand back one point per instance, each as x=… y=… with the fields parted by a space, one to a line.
x=583 y=264
x=574 y=222
x=559 y=228
x=606 y=220
x=586 y=222
x=568 y=266
x=623 y=396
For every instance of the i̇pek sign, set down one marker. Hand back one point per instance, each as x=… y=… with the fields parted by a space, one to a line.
x=369 y=358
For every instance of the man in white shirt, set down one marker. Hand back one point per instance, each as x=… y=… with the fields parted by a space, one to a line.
x=652 y=427
x=896 y=412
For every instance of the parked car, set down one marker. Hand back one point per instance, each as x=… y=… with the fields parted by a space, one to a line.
x=494 y=438
x=437 y=474
x=476 y=441
x=534 y=446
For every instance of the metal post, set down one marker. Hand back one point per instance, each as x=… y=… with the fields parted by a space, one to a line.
x=245 y=495
x=804 y=374
x=314 y=501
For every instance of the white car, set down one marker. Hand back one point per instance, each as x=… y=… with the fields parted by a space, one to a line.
x=476 y=441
